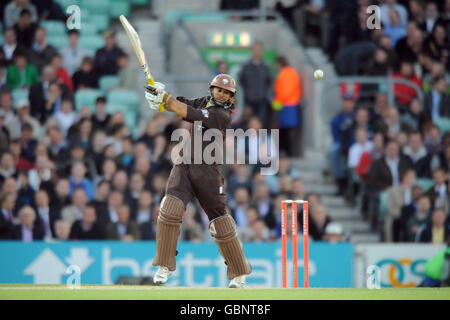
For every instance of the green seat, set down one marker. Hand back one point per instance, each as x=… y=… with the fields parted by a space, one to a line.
x=101 y=20
x=383 y=205
x=92 y=42
x=58 y=41
x=54 y=27
x=140 y=2
x=424 y=183
x=118 y=7
x=67 y=3
x=19 y=94
x=89 y=29
x=108 y=82
x=95 y=6
x=1 y=39
x=443 y=124
x=128 y=98
x=87 y=97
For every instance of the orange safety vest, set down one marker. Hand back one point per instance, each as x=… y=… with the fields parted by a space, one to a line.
x=288 y=89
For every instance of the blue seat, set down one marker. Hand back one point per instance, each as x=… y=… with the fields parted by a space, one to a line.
x=87 y=97
x=108 y=82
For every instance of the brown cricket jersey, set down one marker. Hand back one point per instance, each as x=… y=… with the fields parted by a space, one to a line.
x=211 y=117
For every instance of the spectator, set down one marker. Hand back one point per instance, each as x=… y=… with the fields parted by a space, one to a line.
x=144 y=208
x=439 y=189
x=288 y=95
x=47 y=214
x=417 y=13
x=106 y=57
x=256 y=88
x=86 y=228
x=13 y=10
x=10 y=47
x=124 y=229
x=405 y=93
x=57 y=149
x=431 y=16
x=245 y=232
x=435 y=231
x=115 y=200
x=396 y=27
x=26 y=230
x=86 y=77
x=80 y=133
x=136 y=189
x=61 y=73
x=73 y=54
x=41 y=52
x=410 y=46
x=192 y=230
x=39 y=94
x=222 y=67
x=21 y=75
x=159 y=186
x=433 y=140
x=398 y=197
x=263 y=202
x=100 y=202
x=435 y=272
x=62 y=198
x=127 y=73
x=387 y=7
x=7 y=167
x=379 y=64
x=100 y=118
x=416 y=151
x=333 y=233
x=25 y=28
x=239 y=177
x=319 y=222
x=340 y=124
x=27 y=143
x=22 y=108
x=260 y=232
x=66 y=116
x=74 y=212
x=4 y=134
x=437 y=102
x=413 y=116
x=62 y=230
x=78 y=179
x=239 y=206
x=414 y=217
x=7 y=203
x=391 y=126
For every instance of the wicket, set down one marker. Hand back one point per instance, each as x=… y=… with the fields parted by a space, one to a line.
x=294 y=203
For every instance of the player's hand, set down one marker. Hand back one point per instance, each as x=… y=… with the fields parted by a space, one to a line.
x=156 y=95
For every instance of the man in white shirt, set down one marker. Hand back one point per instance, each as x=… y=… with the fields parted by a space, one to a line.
x=359 y=147
x=392 y=4
x=72 y=55
x=9 y=45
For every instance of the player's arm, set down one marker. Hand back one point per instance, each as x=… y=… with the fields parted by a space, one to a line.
x=176 y=106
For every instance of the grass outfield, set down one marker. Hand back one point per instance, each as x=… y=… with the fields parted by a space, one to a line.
x=120 y=292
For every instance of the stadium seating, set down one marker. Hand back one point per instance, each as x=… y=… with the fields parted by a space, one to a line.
x=129 y=114
x=101 y=20
x=108 y=82
x=443 y=124
x=140 y=2
x=89 y=29
x=424 y=183
x=19 y=94
x=118 y=7
x=58 y=41
x=127 y=102
x=97 y=6
x=92 y=42
x=86 y=97
x=54 y=27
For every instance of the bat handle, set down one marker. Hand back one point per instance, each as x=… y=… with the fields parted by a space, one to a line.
x=151 y=82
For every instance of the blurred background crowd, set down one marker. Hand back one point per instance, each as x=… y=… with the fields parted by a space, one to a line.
x=70 y=171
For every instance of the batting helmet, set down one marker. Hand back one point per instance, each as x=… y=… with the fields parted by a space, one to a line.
x=224 y=81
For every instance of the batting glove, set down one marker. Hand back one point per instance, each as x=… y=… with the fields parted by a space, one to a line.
x=156 y=96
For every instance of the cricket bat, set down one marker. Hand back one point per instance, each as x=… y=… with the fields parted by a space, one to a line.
x=137 y=46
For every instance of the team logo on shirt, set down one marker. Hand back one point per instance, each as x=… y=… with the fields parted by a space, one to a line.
x=205 y=113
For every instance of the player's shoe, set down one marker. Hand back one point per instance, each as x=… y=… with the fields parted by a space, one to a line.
x=238 y=282
x=162 y=275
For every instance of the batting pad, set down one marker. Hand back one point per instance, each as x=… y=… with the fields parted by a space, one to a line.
x=223 y=229
x=167 y=231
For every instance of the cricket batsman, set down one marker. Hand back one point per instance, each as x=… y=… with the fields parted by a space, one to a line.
x=203 y=181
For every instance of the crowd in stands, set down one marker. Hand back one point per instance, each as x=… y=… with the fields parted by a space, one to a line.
x=69 y=173
x=394 y=156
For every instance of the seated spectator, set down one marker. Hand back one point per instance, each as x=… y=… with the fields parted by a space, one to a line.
x=260 y=232
x=86 y=77
x=339 y=125
x=25 y=192
x=66 y=116
x=410 y=46
x=261 y=199
x=78 y=179
x=124 y=229
x=61 y=74
x=435 y=231
x=192 y=230
x=416 y=151
x=413 y=217
x=396 y=28
x=431 y=16
x=398 y=197
x=47 y=214
x=21 y=74
x=22 y=108
x=405 y=93
x=135 y=191
x=62 y=230
x=239 y=177
x=433 y=140
x=445 y=159
x=7 y=203
x=239 y=205
x=413 y=117
x=127 y=73
x=333 y=233
x=7 y=167
x=73 y=54
x=14 y=8
x=87 y=228
x=159 y=186
x=437 y=102
x=27 y=143
x=26 y=230
x=145 y=207
x=298 y=189
x=25 y=28
x=318 y=222
x=10 y=47
x=41 y=52
x=439 y=189
x=80 y=133
x=245 y=232
x=61 y=190
x=74 y=212
x=101 y=118
x=106 y=57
